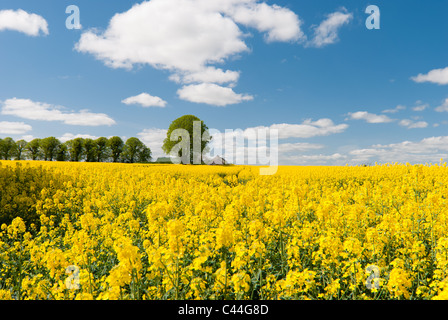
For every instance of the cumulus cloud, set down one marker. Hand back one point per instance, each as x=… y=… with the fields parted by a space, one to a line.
x=299 y=147
x=185 y=35
x=420 y=106
x=28 y=109
x=211 y=93
x=7 y=127
x=369 y=117
x=254 y=145
x=22 y=21
x=279 y=24
x=426 y=150
x=394 y=110
x=168 y=34
x=153 y=138
x=208 y=75
x=443 y=107
x=308 y=129
x=145 y=100
x=313 y=159
x=327 y=31
x=438 y=76
x=410 y=124
x=70 y=136
x=189 y=38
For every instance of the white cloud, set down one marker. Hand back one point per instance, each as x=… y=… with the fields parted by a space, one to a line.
x=420 y=106
x=313 y=159
x=145 y=100
x=185 y=35
x=212 y=94
x=255 y=142
x=394 y=110
x=209 y=75
x=28 y=109
x=27 y=137
x=22 y=21
x=426 y=150
x=412 y=125
x=375 y=118
x=280 y=24
x=298 y=147
x=369 y=117
x=153 y=138
x=439 y=76
x=7 y=127
x=70 y=136
x=327 y=31
x=308 y=129
x=168 y=34
x=443 y=107
x=188 y=37
x=254 y=146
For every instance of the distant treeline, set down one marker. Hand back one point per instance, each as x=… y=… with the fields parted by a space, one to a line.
x=102 y=149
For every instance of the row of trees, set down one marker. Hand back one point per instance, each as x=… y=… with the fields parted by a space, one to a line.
x=106 y=150
x=102 y=149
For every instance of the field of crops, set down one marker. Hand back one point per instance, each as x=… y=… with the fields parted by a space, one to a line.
x=123 y=231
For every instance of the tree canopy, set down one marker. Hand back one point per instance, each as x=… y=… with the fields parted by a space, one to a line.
x=78 y=149
x=178 y=143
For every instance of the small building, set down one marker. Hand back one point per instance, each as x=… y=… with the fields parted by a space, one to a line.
x=218 y=161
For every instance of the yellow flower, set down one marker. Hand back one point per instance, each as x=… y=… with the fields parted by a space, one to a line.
x=163 y=231
x=175 y=232
x=241 y=282
x=16 y=227
x=224 y=235
x=333 y=288
x=399 y=283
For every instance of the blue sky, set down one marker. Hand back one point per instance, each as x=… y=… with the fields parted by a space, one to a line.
x=337 y=92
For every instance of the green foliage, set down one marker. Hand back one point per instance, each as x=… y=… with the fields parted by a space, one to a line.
x=185 y=122
x=78 y=149
x=89 y=150
x=49 y=147
x=101 y=150
x=33 y=149
x=75 y=149
x=20 y=149
x=7 y=148
x=62 y=153
x=116 y=147
x=135 y=151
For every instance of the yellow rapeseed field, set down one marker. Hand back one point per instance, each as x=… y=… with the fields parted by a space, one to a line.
x=123 y=231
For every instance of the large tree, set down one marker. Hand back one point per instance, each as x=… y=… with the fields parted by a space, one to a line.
x=33 y=149
x=175 y=143
x=145 y=155
x=50 y=147
x=62 y=152
x=7 y=148
x=20 y=149
x=135 y=151
x=89 y=150
x=116 y=147
x=75 y=148
x=101 y=149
